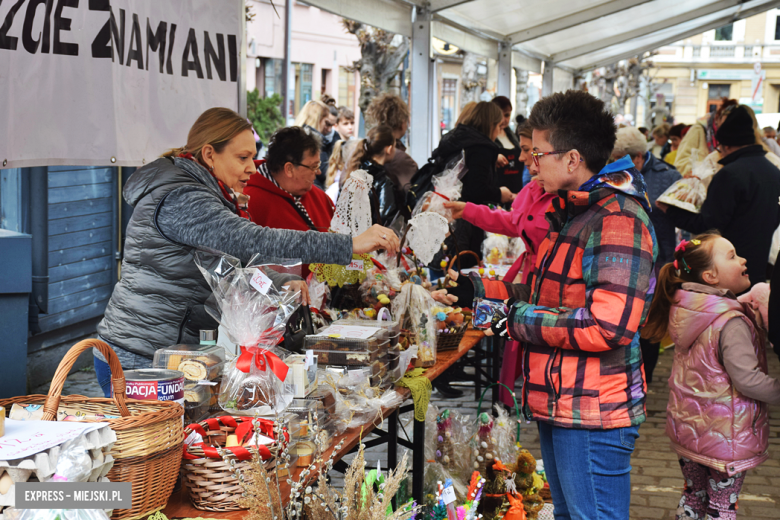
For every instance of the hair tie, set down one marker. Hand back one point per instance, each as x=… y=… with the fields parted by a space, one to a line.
x=681 y=245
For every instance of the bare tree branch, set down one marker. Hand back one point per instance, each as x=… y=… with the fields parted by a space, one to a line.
x=380 y=59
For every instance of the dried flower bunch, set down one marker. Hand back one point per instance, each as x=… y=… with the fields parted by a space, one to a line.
x=358 y=500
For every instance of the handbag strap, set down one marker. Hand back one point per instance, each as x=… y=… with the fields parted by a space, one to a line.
x=303 y=215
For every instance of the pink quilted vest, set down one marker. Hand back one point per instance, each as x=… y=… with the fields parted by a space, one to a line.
x=707 y=419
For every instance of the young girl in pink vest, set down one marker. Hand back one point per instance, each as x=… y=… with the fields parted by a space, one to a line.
x=719 y=388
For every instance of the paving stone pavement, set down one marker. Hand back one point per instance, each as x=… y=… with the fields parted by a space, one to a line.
x=655 y=478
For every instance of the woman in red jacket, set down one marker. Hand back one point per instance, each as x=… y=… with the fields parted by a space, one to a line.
x=282 y=194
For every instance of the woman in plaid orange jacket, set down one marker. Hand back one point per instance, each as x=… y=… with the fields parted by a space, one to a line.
x=583 y=378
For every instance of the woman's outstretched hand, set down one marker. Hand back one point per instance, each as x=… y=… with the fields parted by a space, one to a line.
x=375 y=238
x=456 y=208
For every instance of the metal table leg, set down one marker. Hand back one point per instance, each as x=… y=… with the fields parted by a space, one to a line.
x=498 y=343
x=418 y=461
x=392 y=442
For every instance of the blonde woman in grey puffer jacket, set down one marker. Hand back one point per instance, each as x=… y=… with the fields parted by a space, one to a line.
x=185 y=201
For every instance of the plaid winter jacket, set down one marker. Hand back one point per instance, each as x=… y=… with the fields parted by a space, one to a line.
x=594 y=280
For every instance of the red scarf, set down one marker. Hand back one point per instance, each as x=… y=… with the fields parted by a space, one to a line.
x=228 y=194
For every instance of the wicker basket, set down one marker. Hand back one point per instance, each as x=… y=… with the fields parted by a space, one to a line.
x=450 y=340
x=209 y=479
x=149 y=433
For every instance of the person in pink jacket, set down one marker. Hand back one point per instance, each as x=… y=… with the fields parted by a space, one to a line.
x=716 y=417
x=527 y=221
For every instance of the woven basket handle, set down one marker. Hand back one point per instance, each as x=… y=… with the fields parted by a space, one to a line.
x=117 y=377
x=401 y=245
x=456 y=258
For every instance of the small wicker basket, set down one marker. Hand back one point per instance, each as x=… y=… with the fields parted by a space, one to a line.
x=209 y=479
x=149 y=433
x=450 y=340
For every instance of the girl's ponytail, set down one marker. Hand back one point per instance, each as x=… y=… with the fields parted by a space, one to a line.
x=658 y=317
x=359 y=155
x=691 y=259
x=377 y=139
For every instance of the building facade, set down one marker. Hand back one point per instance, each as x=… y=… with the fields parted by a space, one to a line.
x=739 y=61
x=322 y=53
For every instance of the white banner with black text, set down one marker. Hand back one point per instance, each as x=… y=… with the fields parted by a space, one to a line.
x=111 y=82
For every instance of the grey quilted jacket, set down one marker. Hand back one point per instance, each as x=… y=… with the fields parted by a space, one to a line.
x=178 y=208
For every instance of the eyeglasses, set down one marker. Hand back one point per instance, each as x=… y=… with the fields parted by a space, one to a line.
x=537 y=155
x=314 y=167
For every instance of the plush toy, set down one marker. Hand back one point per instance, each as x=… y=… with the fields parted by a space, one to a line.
x=758 y=299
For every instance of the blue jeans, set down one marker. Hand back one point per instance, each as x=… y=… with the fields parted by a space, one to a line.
x=589 y=471
x=103 y=374
x=128 y=359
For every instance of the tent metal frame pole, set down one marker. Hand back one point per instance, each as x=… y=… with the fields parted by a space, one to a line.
x=423 y=85
x=504 y=86
x=288 y=85
x=547 y=78
x=242 y=108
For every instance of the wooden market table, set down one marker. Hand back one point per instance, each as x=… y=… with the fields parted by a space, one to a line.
x=179 y=505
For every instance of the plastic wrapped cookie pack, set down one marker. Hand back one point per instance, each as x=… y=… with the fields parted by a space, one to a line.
x=202 y=366
x=357 y=348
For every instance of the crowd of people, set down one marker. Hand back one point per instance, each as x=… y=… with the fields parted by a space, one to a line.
x=603 y=280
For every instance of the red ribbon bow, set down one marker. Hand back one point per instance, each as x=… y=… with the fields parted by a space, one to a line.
x=263 y=358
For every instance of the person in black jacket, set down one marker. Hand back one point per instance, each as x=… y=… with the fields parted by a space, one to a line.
x=509 y=169
x=742 y=199
x=370 y=155
x=475 y=138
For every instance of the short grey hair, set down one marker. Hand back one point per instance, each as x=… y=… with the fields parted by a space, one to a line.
x=630 y=141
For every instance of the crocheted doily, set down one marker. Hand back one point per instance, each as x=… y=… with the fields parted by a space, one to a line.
x=426 y=235
x=353 y=209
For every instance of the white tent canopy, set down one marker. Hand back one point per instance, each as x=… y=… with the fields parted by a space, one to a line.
x=567 y=35
x=574 y=34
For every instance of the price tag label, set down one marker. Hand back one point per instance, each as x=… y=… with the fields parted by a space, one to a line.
x=309 y=359
x=348 y=331
x=448 y=495
x=261 y=282
x=355 y=265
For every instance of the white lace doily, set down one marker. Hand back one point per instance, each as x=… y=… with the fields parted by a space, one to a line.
x=353 y=209
x=426 y=235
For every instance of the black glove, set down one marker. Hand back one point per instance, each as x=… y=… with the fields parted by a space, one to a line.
x=499 y=322
x=464 y=291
